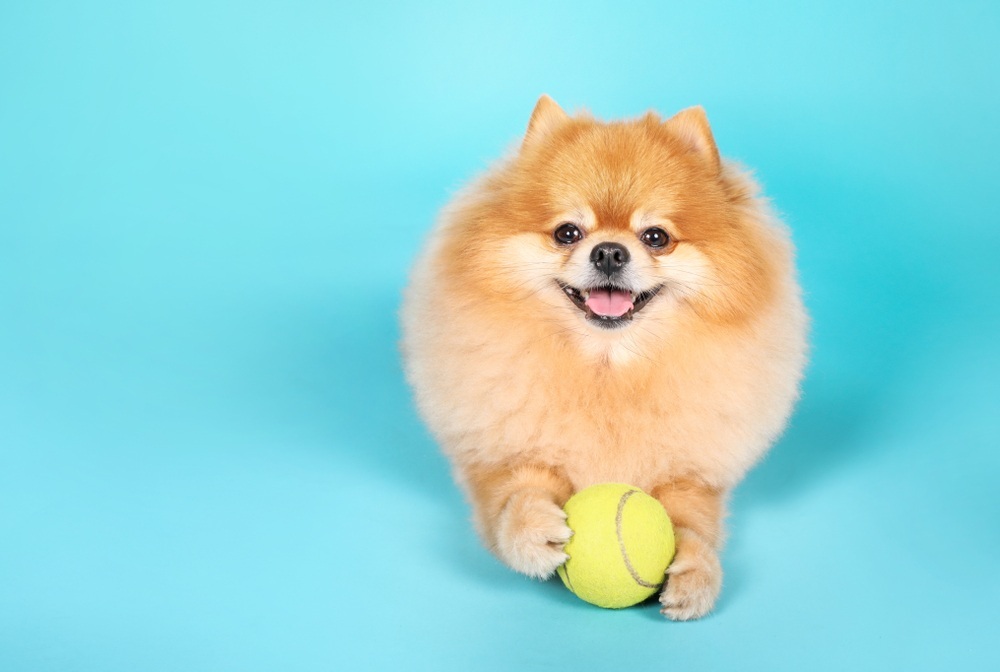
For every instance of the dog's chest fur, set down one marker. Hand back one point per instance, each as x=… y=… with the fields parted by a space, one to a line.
x=705 y=409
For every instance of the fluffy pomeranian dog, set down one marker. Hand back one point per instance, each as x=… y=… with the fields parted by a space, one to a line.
x=611 y=303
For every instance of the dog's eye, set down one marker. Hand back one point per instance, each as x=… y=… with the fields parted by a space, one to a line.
x=567 y=234
x=654 y=237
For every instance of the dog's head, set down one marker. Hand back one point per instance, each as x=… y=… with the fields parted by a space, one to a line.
x=607 y=229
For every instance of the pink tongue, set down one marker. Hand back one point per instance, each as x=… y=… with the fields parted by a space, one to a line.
x=609 y=303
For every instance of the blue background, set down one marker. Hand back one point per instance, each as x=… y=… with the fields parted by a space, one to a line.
x=208 y=456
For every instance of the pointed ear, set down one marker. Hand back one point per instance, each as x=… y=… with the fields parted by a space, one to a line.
x=546 y=117
x=691 y=127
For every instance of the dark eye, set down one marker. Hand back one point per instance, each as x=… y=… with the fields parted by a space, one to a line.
x=654 y=237
x=567 y=234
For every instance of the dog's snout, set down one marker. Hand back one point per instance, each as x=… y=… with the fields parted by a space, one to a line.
x=609 y=257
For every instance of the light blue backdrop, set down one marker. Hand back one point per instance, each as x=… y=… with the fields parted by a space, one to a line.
x=208 y=457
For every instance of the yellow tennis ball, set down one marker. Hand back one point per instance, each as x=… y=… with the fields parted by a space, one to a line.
x=621 y=546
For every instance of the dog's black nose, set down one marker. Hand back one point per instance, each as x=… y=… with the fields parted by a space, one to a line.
x=609 y=257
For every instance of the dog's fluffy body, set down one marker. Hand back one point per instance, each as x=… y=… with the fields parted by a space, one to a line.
x=533 y=396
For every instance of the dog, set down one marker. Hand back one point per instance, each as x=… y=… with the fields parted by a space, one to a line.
x=613 y=302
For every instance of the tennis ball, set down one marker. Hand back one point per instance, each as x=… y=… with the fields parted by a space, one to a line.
x=621 y=546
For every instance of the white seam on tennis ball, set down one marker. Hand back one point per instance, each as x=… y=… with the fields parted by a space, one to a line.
x=621 y=542
x=569 y=581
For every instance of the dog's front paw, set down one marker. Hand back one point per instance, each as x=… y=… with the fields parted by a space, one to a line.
x=531 y=533
x=694 y=579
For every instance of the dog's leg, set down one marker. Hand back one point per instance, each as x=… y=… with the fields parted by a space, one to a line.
x=694 y=579
x=519 y=511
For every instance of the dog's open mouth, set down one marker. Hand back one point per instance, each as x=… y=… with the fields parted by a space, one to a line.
x=609 y=306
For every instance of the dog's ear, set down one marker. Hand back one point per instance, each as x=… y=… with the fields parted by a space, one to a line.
x=546 y=117
x=691 y=127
